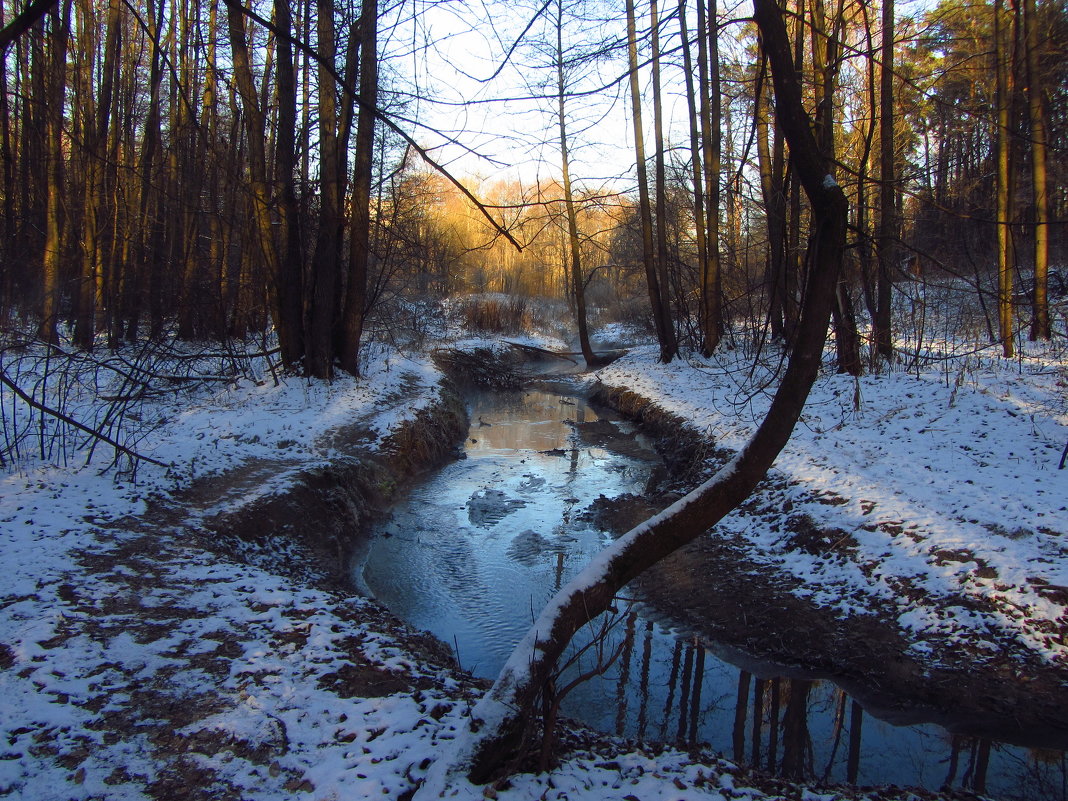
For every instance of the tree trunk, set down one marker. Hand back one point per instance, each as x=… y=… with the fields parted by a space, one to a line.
x=1036 y=97
x=709 y=333
x=499 y=720
x=360 y=216
x=662 y=266
x=1004 y=177
x=290 y=321
x=261 y=233
x=53 y=246
x=326 y=261
x=825 y=67
x=97 y=215
x=770 y=161
x=660 y=323
x=578 y=284
x=887 y=235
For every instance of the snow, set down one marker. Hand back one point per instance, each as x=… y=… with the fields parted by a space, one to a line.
x=137 y=661
x=944 y=477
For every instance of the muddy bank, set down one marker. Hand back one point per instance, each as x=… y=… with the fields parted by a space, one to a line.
x=310 y=528
x=749 y=613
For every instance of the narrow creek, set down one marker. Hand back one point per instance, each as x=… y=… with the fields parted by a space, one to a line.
x=476 y=549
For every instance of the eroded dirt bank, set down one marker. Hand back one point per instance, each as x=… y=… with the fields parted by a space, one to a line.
x=716 y=589
x=310 y=526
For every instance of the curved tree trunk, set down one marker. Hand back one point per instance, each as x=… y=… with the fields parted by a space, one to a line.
x=500 y=719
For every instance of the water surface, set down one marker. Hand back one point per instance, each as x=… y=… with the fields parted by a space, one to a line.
x=476 y=549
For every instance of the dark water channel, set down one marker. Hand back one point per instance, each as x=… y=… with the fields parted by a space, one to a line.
x=476 y=549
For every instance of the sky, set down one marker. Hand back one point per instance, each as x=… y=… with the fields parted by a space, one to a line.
x=454 y=53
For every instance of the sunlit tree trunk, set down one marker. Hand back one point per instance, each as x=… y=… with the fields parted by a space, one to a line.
x=697 y=174
x=794 y=271
x=137 y=293
x=1002 y=66
x=888 y=230
x=59 y=23
x=711 y=112
x=261 y=230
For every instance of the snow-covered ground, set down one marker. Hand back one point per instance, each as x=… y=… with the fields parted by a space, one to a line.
x=942 y=483
x=137 y=662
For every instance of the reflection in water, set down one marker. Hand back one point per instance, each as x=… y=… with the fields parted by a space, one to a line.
x=480 y=546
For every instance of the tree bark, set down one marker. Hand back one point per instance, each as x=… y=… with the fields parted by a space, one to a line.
x=660 y=178
x=887 y=236
x=261 y=233
x=499 y=720
x=1036 y=97
x=706 y=175
x=53 y=245
x=1004 y=177
x=770 y=161
x=290 y=322
x=652 y=281
x=326 y=261
x=360 y=215
x=578 y=285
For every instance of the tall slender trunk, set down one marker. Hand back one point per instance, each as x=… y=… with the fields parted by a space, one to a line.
x=662 y=258
x=888 y=234
x=660 y=323
x=96 y=185
x=1036 y=97
x=709 y=338
x=59 y=19
x=356 y=299
x=711 y=118
x=291 y=262
x=825 y=67
x=261 y=234
x=323 y=313
x=578 y=289
x=1003 y=219
x=770 y=161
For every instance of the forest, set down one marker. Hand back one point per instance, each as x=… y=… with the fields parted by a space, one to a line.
x=205 y=171
x=698 y=359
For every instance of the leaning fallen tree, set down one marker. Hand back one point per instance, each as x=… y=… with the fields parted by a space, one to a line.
x=499 y=722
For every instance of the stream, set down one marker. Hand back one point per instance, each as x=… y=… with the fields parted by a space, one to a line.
x=476 y=548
